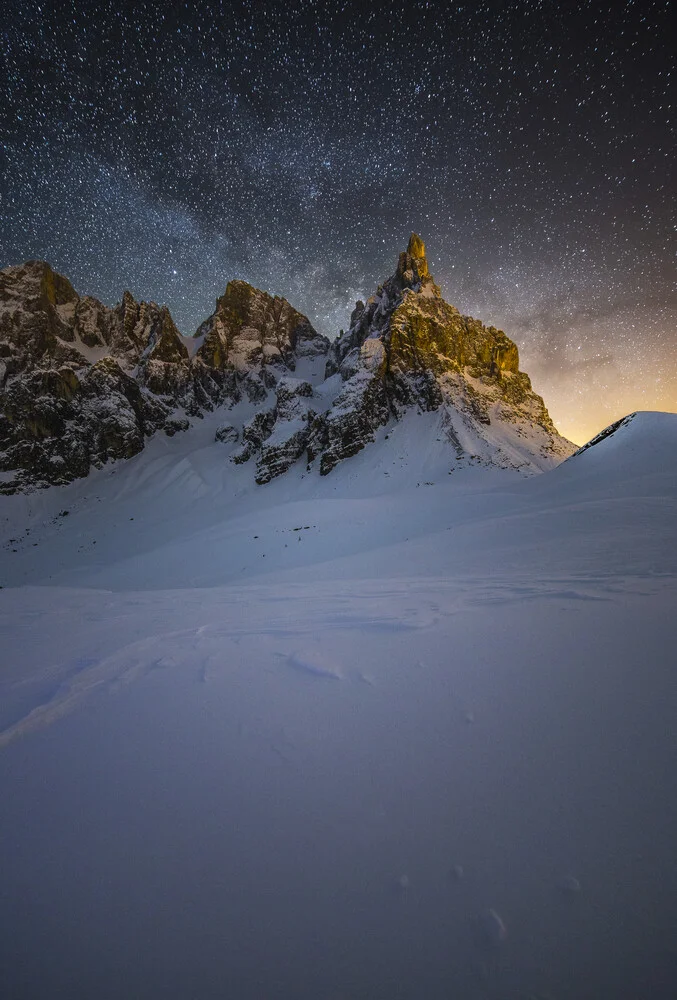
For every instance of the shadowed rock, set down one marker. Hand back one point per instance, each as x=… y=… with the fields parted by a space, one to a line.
x=82 y=383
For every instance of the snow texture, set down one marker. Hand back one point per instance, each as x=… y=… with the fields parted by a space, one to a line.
x=386 y=733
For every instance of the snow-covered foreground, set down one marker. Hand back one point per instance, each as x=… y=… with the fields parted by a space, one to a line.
x=292 y=741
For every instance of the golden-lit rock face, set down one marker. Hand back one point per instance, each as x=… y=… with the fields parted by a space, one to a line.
x=429 y=334
x=416 y=250
x=416 y=246
x=433 y=358
x=412 y=266
x=426 y=333
x=82 y=383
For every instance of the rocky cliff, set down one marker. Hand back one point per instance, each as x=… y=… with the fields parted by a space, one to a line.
x=407 y=347
x=81 y=383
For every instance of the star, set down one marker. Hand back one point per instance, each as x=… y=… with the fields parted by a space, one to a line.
x=296 y=146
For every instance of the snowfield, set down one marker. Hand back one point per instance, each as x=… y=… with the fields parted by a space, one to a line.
x=404 y=731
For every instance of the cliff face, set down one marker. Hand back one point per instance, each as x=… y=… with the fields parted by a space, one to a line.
x=408 y=347
x=44 y=322
x=81 y=383
x=250 y=328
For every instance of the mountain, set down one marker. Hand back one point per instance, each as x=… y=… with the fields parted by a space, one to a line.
x=408 y=348
x=415 y=727
x=81 y=383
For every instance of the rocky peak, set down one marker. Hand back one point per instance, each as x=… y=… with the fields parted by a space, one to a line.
x=35 y=282
x=419 y=330
x=37 y=306
x=250 y=328
x=412 y=266
x=43 y=321
x=81 y=383
x=165 y=343
x=416 y=249
x=408 y=347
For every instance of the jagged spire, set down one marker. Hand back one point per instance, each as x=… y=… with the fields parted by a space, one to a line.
x=416 y=249
x=416 y=246
x=412 y=266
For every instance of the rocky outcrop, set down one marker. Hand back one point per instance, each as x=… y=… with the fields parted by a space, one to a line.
x=250 y=339
x=289 y=436
x=407 y=347
x=250 y=328
x=279 y=436
x=361 y=406
x=57 y=423
x=226 y=433
x=45 y=323
x=71 y=396
x=81 y=383
x=37 y=317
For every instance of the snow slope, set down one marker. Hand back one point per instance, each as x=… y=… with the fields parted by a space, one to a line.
x=293 y=741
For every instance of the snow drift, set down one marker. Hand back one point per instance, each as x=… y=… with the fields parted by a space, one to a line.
x=400 y=731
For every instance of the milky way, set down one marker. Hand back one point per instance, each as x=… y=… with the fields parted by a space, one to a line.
x=167 y=148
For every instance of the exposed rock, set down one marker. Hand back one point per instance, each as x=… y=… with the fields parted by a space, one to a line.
x=289 y=437
x=361 y=406
x=55 y=425
x=291 y=395
x=173 y=425
x=284 y=446
x=226 y=434
x=280 y=436
x=164 y=366
x=254 y=388
x=408 y=347
x=254 y=433
x=37 y=313
x=81 y=383
x=44 y=322
x=250 y=328
x=165 y=344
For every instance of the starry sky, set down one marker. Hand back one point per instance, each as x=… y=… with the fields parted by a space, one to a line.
x=168 y=147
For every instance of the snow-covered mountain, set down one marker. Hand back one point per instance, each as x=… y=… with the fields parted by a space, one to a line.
x=81 y=384
x=408 y=348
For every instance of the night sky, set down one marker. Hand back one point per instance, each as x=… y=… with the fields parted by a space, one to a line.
x=169 y=147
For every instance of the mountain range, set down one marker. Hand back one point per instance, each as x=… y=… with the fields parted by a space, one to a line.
x=82 y=383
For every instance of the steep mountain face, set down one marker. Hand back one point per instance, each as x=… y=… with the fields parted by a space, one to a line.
x=407 y=347
x=81 y=383
x=249 y=329
x=68 y=398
